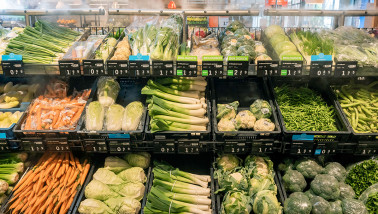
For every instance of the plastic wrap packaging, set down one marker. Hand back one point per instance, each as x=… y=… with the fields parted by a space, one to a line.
x=94 y=116
x=132 y=116
x=83 y=49
x=113 y=115
x=208 y=46
x=107 y=90
x=123 y=50
x=56 y=89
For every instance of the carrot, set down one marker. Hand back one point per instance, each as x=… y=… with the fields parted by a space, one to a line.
x=26 y=179
x=72 y=159
x=74 y=187
x=68 y=174
x=57 y=167
x=51 y=205
x=56 y=117
x=84 y=174
x=76 y=117
x=73 y=178
x=65 y=208
x=78 y=164
x=39 y=119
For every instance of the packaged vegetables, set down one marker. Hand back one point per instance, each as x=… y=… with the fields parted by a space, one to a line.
x=123 y=50
x=14 y=94
x=281 y=43
x=177 y=104
x=55 y=110
x=9 y=118
x=256 y=118
x=104 y=114
x=358 y=103
x=176 y=191
x=208 y=46
x=249 y=188
x=118 y=187
x=106 y=48
x=318 y=189
x=304 y=109
x=11 y=167
x=51 y=185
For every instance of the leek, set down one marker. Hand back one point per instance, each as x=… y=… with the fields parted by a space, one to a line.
x=162 y=125
x=172 y=91
x=153 y=91
x=173 y=107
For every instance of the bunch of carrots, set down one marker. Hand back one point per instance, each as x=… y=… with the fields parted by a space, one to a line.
x=50 y=187
x=55 y=110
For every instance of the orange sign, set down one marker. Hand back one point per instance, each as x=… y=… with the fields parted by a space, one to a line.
x=273 y=2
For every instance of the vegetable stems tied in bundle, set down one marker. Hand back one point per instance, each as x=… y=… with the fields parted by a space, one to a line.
x=177 y=104
x=176 y=191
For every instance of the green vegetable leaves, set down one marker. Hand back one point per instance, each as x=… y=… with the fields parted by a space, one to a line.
x=363 y=175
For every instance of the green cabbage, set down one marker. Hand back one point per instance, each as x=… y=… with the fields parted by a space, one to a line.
x=94 y=116
x=98 y=190
x=140 y=159
x=135 y=174
x=284 y=46
x=129 y=189
x=107 y=177
x=115 y=164
x=113 y=115
x=132 y=116
x=124 y=205
x=273 y=30
x=93 y=206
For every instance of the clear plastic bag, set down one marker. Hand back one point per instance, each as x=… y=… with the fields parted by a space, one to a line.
x=113 y=115
x=107 y=90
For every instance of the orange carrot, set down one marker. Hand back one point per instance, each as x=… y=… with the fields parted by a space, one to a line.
x=78 y=164
x=73 y=178
x=84 y=174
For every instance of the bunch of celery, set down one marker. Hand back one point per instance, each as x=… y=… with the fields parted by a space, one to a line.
x=176 y=191
x=44 y=44
x=177 y=104
x=11 y=164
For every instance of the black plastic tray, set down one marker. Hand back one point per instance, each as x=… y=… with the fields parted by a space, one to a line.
x=179 y=135
x=194 y=166
x=339 y=137
x=97 y=165
x=246 y=91
x=130 y=91
x=74 y=83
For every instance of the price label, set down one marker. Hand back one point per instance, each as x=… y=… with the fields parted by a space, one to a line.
x=139 y=68
x=367 y=148
x=95 y=146
x=267 y=68
x=94 y=67
x=291 y=68
x=188 y=147
x=13 y=68
x=4 y=146
x=118 y=146
x=166 y=146
x=326 y=148
x=57 y=145
x=69 y=67
x=236 y=147
x=212 y=66
x=346 y=68
x=186 y=66
x=37 y=146
x=162 y=68
x=262 y=147
x=237 y=66
x=118 y=67
x=321 y=68
x=302 y=148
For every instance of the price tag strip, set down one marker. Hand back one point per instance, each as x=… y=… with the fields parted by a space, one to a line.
x=188 y=147
x=95 y=146
x=237 y=66
x=4 y=147
x=261 y=147
x=94 y=67
x=33 y=145
x=118 y=68
x=326 y=148
x=367 y=148
x=267 y=68
x=139 y=65
x=186 y=66
x=291 y=68
x=69 y=67
x=212 y=66
x=162 y=68
x=321 y=65
x=346 y=68
x=236 y=147
x=119 y=146
x=302 y=145
x=59 y=145
x=165 y=146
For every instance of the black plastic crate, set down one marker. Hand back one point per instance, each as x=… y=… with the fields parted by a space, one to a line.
x=246 y=91
x=130 y=91
x=200 y=165
x=314 y=142
x=182 y=135
x=95 y=167
x=7 y=133
x=74 y=84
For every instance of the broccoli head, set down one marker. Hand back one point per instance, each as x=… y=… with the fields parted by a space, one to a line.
x=308 y=168
x=336 y=170
x=297 y=203
x=310 y=194
x=294 y=181
x=353 y=206
x=320 y=205
x=286 y=165
x=326 y=186
x=335 y=207
x=346 y=191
